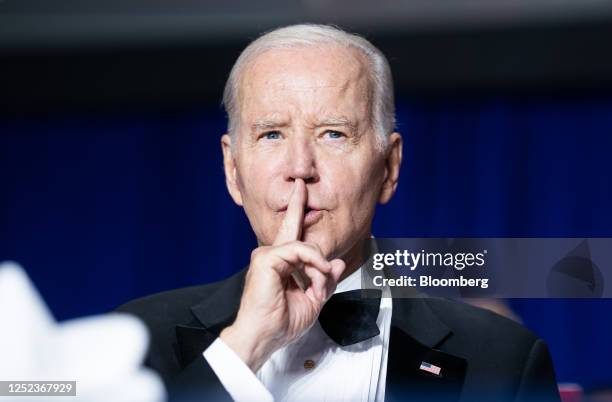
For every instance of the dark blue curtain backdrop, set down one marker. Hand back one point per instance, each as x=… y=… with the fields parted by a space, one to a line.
x=103 y=207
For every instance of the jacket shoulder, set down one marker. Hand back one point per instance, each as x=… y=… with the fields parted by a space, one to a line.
x=500 y=352
x=167 y=303
x=163 y=312
x=173 y=307
x=477 y=323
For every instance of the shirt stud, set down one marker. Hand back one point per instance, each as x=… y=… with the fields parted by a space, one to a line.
x=309 y=364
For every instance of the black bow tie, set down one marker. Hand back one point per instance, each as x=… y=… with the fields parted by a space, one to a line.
x=350 y=317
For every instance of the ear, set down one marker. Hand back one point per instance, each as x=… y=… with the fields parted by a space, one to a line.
x=393 y=161
x=229 y=166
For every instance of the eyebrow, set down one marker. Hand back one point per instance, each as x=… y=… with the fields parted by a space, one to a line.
x=269 y=124
x=265 y=124
x=336 y=121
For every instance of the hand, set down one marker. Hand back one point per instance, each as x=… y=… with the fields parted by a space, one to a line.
x=274 y=309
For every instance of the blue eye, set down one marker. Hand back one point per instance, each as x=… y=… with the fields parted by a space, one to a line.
x=271 y=135
x=334 y=134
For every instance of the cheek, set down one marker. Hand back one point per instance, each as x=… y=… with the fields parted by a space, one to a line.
x=355 y=183
x=255 y=176
x=255 y=203
x=256 y=179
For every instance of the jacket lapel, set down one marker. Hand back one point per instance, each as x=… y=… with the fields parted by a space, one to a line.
x=211 y=315
x=414 y=360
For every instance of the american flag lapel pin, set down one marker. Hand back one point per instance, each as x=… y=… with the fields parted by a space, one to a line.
x=430 y=368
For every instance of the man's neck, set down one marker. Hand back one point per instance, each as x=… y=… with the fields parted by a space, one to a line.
x=356 y=257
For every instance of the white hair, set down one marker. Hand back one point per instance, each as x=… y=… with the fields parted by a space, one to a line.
x=293 y=36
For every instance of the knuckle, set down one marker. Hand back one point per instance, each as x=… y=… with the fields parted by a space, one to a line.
x=257 y=253
x=314 y=246
x=292 y=245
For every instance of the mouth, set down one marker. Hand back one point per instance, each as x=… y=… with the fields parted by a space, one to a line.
x=311 y=215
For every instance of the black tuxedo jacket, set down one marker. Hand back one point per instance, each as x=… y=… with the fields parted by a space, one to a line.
x=483 y=356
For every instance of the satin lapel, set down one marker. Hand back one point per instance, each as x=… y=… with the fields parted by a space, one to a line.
x=413 y=359
x=211 y=315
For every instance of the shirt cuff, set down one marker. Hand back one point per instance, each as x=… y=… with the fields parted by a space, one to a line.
x=235 y=376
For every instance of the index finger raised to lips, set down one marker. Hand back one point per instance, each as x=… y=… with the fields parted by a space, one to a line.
x=291 y=227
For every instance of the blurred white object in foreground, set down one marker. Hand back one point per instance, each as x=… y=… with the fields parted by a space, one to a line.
x=103 y=354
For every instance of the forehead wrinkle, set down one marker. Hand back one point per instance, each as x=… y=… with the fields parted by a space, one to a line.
x=308 y=86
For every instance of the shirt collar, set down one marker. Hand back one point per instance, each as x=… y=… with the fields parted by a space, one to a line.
x=351 y=282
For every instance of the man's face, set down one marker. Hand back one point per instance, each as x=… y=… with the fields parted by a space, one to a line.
x=305 y=113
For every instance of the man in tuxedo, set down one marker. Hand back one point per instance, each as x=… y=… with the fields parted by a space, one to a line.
x=310 y=150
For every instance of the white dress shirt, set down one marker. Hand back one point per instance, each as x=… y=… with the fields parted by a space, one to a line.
x=313 y=367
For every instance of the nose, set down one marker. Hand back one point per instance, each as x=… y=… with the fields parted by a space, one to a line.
x=301 y=161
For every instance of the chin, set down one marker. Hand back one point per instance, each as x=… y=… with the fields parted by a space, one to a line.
x=321 y=238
